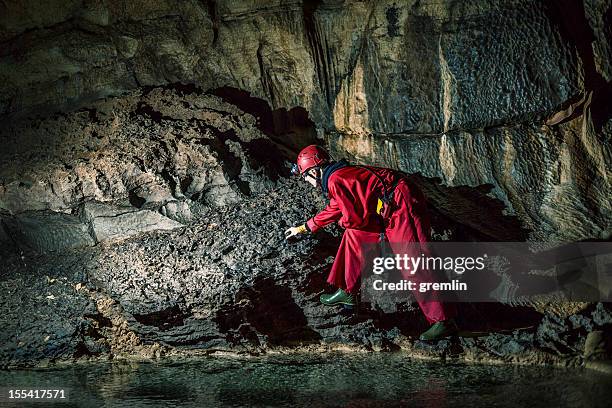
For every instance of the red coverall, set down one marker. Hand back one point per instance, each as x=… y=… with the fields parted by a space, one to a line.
x=353 y=196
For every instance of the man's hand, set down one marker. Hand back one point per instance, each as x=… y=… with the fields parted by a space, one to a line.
x=294 y=231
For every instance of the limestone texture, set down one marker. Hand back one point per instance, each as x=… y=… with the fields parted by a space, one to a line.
x=379 y=66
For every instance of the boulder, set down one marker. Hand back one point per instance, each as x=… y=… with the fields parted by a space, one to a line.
x=113 y=223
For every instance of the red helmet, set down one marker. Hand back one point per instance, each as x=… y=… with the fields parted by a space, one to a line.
x=310 y=156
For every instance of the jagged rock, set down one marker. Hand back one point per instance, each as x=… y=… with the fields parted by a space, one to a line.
x=598 y=15
x=229 y=281
x=226 y=279
x=178 y=210
x=42 y=321
x=601 y=315
x=141 y=159
x=595 y=346
x=111 y=223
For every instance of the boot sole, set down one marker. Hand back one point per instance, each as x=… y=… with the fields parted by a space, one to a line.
x=445 y=336
x=338 y=303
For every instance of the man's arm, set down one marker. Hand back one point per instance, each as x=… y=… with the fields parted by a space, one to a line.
x=328 y=215
x=353 y=211
x=331 y=213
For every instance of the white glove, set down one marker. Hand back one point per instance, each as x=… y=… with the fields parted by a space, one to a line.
x=294 y=231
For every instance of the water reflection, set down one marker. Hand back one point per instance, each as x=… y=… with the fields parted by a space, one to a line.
x=343 y=380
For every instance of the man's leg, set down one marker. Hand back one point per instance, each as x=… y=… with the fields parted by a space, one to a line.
x=433 y=309
x=346 y=270
x=409 y=228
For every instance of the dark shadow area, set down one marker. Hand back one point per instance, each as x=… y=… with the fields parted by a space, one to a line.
x=264 y=153
x=213 y=12
x=570 y=18
x=495 y=317
x=179 y=88
x=293 y=128
x=475 y=317
x=165 y=319
x=468 y=213
x=267 y=309
x=174 y=393
x=135 y=200
x=326 y=246
x=241 y=396
x=145 y=110
x=8 y=246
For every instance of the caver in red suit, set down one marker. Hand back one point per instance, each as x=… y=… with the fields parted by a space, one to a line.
x=353 y=193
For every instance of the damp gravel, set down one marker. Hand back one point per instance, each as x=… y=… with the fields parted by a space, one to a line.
x=329 y=379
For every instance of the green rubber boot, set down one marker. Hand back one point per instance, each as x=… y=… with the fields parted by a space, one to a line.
x=339 y=298
x=439 y=330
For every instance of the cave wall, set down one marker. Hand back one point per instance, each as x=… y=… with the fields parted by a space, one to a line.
x=402 y=68
x=511 y=94
x=555 y=181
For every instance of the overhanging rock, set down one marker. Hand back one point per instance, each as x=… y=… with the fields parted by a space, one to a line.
x=109 y=222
